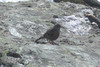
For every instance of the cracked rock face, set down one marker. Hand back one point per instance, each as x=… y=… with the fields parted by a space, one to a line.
x=23 y=22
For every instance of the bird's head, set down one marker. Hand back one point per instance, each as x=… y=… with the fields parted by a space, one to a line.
x=58 y=25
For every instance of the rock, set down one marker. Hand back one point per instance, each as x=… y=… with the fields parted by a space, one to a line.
x=11 y=0
x=23 y=22
x=94 y=3
x=0 y=54
x=9 y=61
x=94 y=19
x=57 y=0
x=12 y=54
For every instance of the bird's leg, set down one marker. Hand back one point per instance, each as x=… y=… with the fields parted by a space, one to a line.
x=52 y=42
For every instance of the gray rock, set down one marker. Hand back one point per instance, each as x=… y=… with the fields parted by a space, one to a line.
x=94 y=3
x=20 y=25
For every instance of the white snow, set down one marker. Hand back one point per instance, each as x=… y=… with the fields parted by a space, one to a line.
x=99 y=0
x=75 y=24
x=14 y=32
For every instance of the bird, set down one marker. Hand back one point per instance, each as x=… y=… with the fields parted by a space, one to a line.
x=92 y=19
x=51 y=34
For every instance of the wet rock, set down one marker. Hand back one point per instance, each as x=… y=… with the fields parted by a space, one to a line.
x=12 y=54
x=57 y=0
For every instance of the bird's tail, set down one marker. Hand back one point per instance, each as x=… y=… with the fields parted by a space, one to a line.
x=36 y=41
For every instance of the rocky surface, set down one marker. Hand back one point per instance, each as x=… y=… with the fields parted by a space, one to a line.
x=94 y=3
x=23 y=22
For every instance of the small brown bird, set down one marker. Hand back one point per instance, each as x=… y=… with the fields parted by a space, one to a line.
x=51 y=34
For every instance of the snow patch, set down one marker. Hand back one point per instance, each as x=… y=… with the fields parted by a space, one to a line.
x=14 y=32
x=99 y=0
x=75 y=24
